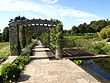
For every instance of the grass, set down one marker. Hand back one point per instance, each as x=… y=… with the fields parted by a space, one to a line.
x=4 y=51
x=3 y=44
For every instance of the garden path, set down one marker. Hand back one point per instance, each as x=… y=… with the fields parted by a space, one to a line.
x=43 y=70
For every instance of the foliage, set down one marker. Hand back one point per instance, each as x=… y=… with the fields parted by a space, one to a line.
x=105 y=32
x=4 y=56
x=100 y=48
x=45 y=38
x=59 y=36
x=9 y=72
x=21 y=61
x=69 y=41
x=34 y=35
x=91 y=35
x=17 y=18
x=53 y=37
x=78 y=62
x=5 y=34
x=93 y=27
x=28 y=35
x=67 y=33
x=0 y=38
x=22 y=37
x=27 y=50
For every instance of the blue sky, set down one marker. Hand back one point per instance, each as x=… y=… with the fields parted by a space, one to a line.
x=70 y=12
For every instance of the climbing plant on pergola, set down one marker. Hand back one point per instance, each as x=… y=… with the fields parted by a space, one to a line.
x=18 y=30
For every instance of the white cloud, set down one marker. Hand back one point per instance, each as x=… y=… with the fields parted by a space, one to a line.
x=50 y=1
x=47 y=10
x=3 y=2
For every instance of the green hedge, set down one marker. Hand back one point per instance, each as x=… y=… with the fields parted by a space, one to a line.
x=9 y=72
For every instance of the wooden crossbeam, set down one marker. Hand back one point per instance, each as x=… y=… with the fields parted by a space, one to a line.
x=33 y=21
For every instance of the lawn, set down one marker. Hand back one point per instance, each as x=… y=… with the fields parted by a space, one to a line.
x=4 y=51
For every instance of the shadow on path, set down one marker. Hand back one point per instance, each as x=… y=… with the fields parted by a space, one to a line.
x=23 y=77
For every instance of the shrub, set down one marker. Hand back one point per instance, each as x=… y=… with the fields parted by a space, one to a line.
x=100 y=48
x=91 y=35
x=9 y=72
x=106 y=49
x=105 y=32
x=26 y=51
x=30 y=46
x=78 y=62
x=21 y=61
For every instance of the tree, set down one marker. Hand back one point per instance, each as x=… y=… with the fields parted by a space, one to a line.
x=105 y=32
x=74 y=30
x=5 y=34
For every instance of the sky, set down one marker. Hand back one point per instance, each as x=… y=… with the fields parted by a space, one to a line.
x=70 y=12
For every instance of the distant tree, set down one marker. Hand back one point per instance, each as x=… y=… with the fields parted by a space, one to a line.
x=66 y=32
x=98 y=25
x=74 y=30
x=93 y=27
x=81 y=28
x=5 y=35
x=0 y=38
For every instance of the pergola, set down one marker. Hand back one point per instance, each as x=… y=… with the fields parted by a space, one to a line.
x=35 y=25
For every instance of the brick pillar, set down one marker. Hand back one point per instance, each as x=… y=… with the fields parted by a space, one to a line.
x=14 y=40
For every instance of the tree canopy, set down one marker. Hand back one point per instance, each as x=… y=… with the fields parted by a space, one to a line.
x=5 y=34
x=93 y=27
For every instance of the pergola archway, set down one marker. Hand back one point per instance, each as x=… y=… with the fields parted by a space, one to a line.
x=36 y=25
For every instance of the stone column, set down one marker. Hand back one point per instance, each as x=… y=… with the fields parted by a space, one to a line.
x=58 y=51
x=14 y=40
